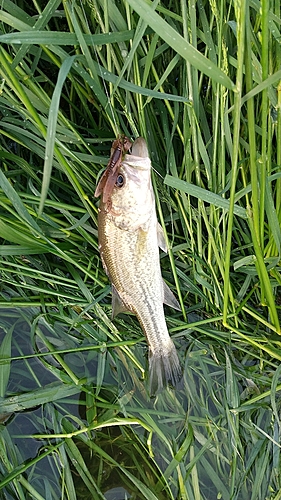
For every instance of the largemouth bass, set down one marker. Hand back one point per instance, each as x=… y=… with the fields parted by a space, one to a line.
x=129 y=237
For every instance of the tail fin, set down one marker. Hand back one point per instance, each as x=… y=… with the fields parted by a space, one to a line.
x=164 y=368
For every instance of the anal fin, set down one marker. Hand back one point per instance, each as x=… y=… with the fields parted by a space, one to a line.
x=118 y=305
x=169 y=298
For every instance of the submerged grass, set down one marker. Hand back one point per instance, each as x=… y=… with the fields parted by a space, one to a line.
x=201 y=82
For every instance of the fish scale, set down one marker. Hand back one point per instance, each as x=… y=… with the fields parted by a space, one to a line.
x=129 y=246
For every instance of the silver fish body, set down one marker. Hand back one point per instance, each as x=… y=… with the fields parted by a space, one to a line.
x=129 y=240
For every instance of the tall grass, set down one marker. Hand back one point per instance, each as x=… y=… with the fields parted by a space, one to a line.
x=201 y=81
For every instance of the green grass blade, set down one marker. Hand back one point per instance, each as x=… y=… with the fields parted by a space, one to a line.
x=204 y=195
x=179 y=44
x=25 y=401
x=5 y=352
x=51 y=129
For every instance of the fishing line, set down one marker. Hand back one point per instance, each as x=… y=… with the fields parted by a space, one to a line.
x=116 y=128
x=113 y=121
x=157 y=173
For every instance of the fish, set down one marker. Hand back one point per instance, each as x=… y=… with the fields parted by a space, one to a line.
x=129 y=237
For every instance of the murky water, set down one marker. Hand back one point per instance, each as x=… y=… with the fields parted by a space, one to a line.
x=195 y=416
x=27 y=375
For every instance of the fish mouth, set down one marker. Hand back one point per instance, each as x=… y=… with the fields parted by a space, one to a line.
x=139 y=148
x=139 y=158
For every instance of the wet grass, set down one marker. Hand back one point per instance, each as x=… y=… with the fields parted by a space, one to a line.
x=201 y=82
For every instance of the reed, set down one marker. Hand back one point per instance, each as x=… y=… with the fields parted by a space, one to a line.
x=201 y=81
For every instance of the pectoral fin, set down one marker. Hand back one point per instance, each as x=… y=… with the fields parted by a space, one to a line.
x=169 y=298
x=117 y=304
x=161 y=238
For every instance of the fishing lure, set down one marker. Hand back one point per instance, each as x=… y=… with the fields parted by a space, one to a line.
x=107 y=182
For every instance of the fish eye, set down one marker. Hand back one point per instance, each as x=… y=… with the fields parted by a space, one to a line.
x=120 y=181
